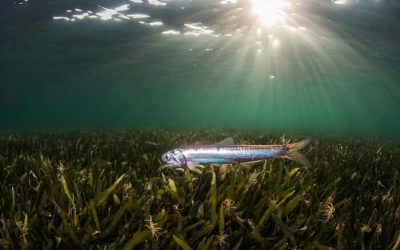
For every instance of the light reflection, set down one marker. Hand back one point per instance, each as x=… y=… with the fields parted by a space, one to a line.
x=122 y=8
x=270 y=12
x=124 y=17
x=171 y=32
x=78 y=16
x=340 y=2
x=228 y=2
x=156 y=3
x=138 y=16
x=268 y=40
x=156 y=23
x=114 y=14
x=262 y=25
x=197 y=29
x=105 y=14
x=61 y=18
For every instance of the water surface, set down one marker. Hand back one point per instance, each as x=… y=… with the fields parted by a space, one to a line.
x=291 y=66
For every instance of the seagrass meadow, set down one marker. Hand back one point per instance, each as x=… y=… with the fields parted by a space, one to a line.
x=109 y=190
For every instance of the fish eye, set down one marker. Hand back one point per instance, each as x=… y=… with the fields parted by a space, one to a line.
x=166 y=157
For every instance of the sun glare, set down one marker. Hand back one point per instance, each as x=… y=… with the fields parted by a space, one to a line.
x=270 y=12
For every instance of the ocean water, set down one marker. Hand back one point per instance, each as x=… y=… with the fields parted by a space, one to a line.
x=287 y=66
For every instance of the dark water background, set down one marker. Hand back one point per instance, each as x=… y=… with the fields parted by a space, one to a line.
x=336 y=71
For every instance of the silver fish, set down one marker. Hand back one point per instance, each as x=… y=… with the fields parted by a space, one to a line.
x=225 y=152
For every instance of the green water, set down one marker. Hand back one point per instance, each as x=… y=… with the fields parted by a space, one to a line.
x=328 y=68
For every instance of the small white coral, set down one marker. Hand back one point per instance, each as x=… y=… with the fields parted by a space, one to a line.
x=154 y=228
x=328 y=209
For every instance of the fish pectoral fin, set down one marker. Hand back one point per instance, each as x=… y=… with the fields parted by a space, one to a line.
x=249 y=164
x=226 y=141
x=191 y=164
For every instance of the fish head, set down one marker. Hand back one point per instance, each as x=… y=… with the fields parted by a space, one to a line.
x=174 y=158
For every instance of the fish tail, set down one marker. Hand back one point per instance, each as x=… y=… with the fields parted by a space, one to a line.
x=295 y=155
x=298 y=145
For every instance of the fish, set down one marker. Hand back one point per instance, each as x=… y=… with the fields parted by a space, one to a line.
x=226 y=152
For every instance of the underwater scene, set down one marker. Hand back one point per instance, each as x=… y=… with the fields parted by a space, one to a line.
x=200 y=124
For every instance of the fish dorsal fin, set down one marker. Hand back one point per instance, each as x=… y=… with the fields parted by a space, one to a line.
x=226 y=141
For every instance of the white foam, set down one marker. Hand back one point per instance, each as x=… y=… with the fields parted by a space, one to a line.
x=124 y=7
x=157 y=3
x=123 y=17
x=61 y=18
x=171 y=32
x=78 y=16
x=198 y=29
x=158 y=23
x=138 y=16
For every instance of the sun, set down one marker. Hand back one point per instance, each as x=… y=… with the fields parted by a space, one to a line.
x=270 y=12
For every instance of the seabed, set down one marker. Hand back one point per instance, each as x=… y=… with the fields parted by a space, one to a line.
x=109 y=190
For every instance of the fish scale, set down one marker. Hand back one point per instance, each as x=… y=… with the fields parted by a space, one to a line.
x=232 y=154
